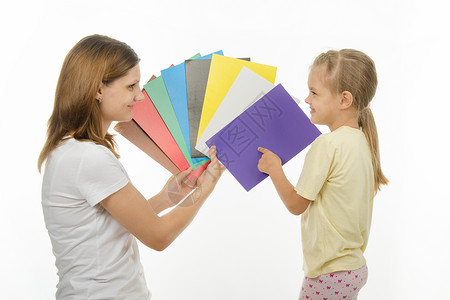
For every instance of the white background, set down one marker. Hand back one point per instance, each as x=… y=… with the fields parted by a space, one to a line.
x=241 y=245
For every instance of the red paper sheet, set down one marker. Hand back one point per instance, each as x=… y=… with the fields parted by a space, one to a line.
x=148 y=118
x=132 y=132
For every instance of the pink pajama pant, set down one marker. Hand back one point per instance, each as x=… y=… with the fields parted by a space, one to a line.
x=343 y=285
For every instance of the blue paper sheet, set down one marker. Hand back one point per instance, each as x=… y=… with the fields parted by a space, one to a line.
x=175 y=81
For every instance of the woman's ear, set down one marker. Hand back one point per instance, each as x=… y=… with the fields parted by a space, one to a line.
x=346 y=99
x=99 y=91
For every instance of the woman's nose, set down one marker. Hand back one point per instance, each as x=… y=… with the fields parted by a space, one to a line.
x=140 y=96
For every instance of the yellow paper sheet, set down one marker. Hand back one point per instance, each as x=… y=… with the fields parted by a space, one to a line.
x=222 y=73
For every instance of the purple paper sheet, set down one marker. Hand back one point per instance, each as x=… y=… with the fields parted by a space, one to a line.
x=275 y=122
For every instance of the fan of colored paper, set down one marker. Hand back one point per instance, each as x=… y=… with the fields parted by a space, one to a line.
x=204 y=101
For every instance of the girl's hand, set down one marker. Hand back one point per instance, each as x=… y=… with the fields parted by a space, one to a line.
x=269 y=161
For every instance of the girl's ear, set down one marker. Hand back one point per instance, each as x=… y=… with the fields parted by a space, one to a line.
x=346 y=99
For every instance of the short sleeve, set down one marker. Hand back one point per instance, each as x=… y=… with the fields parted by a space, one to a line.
x=316 y=169
x=100 y=175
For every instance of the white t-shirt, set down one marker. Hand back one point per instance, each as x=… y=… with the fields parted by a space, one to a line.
x=96 y=257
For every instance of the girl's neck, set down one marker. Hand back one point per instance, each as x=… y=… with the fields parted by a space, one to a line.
x=349 y=120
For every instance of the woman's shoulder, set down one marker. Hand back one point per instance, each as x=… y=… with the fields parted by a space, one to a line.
x=71 y=143
x=75 y=150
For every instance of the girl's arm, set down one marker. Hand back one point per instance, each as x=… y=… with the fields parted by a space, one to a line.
x=129 y=207
x=270 y=164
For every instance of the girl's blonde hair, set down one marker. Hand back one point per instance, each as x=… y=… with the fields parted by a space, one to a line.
x=353 y=71
x=93 y=60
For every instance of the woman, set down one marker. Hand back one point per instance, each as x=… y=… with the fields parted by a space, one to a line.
x=92 y=211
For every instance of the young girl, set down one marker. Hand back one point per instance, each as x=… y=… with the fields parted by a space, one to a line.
x=340 y=176
x=92 y=211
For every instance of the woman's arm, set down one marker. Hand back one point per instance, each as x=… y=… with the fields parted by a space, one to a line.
x=270 y=164
x=129 y=207
x=157 y=204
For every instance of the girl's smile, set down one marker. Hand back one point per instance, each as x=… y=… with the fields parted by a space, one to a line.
x=322 y=102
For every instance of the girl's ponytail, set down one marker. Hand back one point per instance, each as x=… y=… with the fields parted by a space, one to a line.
x=366 y=122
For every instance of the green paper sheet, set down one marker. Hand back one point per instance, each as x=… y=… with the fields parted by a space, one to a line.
x=157 y=92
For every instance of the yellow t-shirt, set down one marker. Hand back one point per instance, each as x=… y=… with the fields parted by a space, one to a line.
x=338 y=176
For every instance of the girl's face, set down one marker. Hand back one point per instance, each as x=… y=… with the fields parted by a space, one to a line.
x=323 y=103
x=119 y=98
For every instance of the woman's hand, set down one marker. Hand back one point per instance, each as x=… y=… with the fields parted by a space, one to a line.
x=206 y=182
x=214 y=171
x=177 y=188
x=269 y=161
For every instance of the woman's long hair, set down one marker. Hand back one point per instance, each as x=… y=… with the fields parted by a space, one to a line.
x=93 y=60
x=353 y=71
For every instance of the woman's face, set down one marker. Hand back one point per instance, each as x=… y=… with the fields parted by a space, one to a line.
x=119 y=97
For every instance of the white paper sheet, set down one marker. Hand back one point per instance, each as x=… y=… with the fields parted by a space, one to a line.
x=246 y=89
